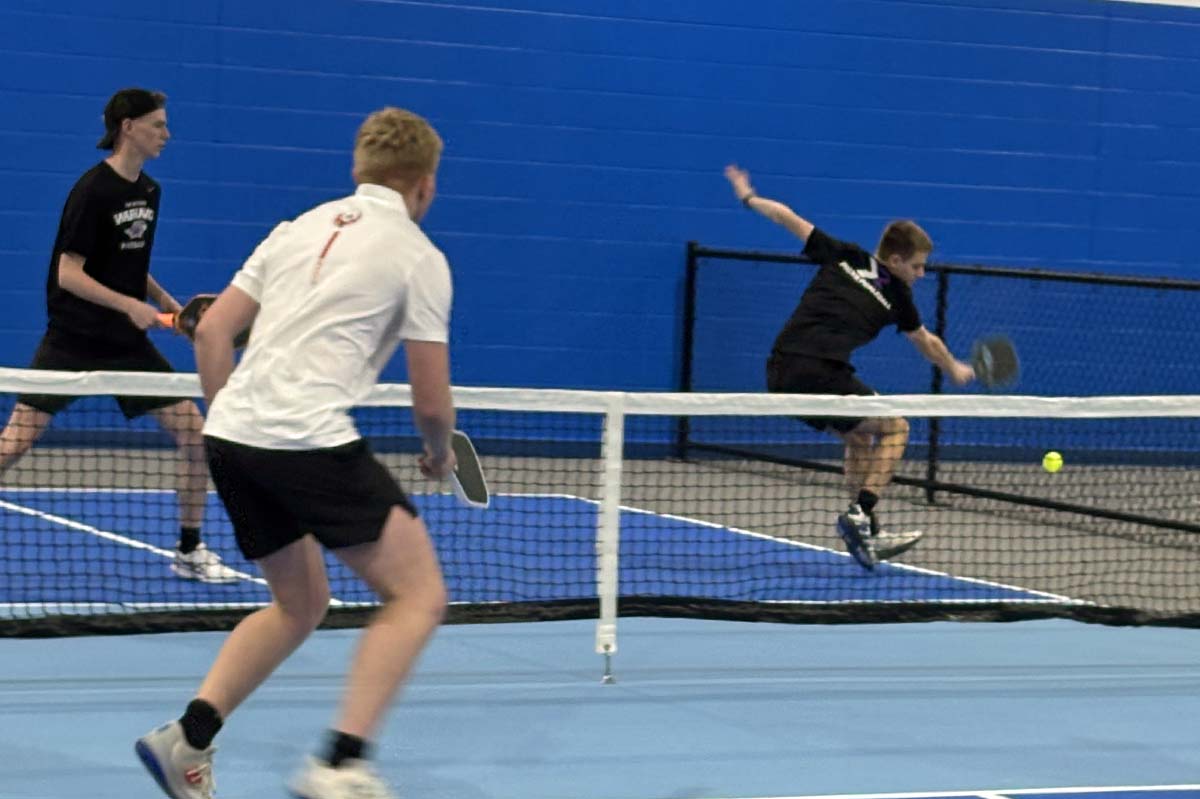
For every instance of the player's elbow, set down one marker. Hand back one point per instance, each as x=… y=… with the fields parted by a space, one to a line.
x=205 y=334
x=210 y=334
x=68 y=276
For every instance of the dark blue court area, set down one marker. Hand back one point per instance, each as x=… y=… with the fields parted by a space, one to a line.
x=97 y=550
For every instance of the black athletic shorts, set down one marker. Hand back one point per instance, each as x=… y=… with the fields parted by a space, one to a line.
x=342 y=495
x=789 y=373
x=59 y=357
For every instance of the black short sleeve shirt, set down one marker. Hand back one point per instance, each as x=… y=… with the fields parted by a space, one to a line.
x=851 y=298
x=110 y=222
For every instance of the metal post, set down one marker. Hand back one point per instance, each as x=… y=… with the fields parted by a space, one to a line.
x=935 y=424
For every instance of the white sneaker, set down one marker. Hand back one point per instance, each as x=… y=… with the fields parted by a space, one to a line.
x=180 y=770
x=204 y=565
x=888 y=545
x=354 y=779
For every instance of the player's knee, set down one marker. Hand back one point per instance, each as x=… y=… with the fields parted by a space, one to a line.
x=191 y=446
x=13 y=445
x=437 y=600
x=306 y=610
x=317 y=609
x=423 y=594
x=859 y=439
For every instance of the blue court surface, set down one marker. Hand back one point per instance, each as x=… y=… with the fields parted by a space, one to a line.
x=524 y=548
x=1133 y=792
x=699 y=710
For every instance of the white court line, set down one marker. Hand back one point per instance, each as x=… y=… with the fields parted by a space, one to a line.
x=107 y=536
x=1183 y=3
x=983 y=793
x=1046 y=597
x=30 y=609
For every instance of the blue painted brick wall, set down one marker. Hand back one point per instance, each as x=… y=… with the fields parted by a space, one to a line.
x=585 y=140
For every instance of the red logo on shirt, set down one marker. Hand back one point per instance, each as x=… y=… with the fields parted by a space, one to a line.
x=347 y=218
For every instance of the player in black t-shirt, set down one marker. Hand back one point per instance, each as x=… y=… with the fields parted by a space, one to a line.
x=97 y=294
x=852 y=297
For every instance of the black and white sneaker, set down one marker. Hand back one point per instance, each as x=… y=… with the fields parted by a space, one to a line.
x=887 y=545
x=854 y=527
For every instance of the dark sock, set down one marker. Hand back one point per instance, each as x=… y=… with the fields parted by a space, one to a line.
x=189 y=539
x=201 y=722
x=344 y=747
x=867 y=500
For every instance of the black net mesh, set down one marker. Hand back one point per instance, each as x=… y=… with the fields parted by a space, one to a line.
x=728 y=507
x=1077 y=335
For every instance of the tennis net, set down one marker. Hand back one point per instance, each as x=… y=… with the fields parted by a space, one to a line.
x=615 y=503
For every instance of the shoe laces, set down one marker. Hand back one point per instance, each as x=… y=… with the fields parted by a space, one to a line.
x=200 y=775
x=205 y=558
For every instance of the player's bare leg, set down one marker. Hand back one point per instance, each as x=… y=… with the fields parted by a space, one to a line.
x=193 y=560
x=179 y=754
x=873 y=449
x=402 y=568
x=265 y=638
x=25 y=426
x=184 y=422
x=876 y=446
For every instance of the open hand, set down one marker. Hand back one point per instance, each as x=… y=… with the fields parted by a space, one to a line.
x=739 y=179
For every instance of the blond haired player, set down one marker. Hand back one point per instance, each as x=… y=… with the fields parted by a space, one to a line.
x=331 y=295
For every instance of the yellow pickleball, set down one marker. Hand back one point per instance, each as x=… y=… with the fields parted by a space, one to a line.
x=1052 y=461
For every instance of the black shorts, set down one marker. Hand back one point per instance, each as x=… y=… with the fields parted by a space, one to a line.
x=341 y=495
x=56 y=356
x=802 y=374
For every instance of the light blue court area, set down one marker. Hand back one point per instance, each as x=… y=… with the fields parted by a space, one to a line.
x=93 y=550
x=699 y=710
x=1132 y=792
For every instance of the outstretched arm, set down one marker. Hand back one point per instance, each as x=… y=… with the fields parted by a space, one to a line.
x=936 y=352
x=777 y=212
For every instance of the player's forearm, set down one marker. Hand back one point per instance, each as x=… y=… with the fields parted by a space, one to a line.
x=214 y=362
x=84 y=286
x=433 y=407
x=433 y=414
x=936 y=352
x=781 y=214
x=160 y=296
x=435 y=428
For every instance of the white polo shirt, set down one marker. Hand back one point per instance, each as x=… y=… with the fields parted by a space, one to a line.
x=338 y=288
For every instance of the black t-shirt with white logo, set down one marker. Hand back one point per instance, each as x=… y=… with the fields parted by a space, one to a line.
x=852 y=297
x=110 y=222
